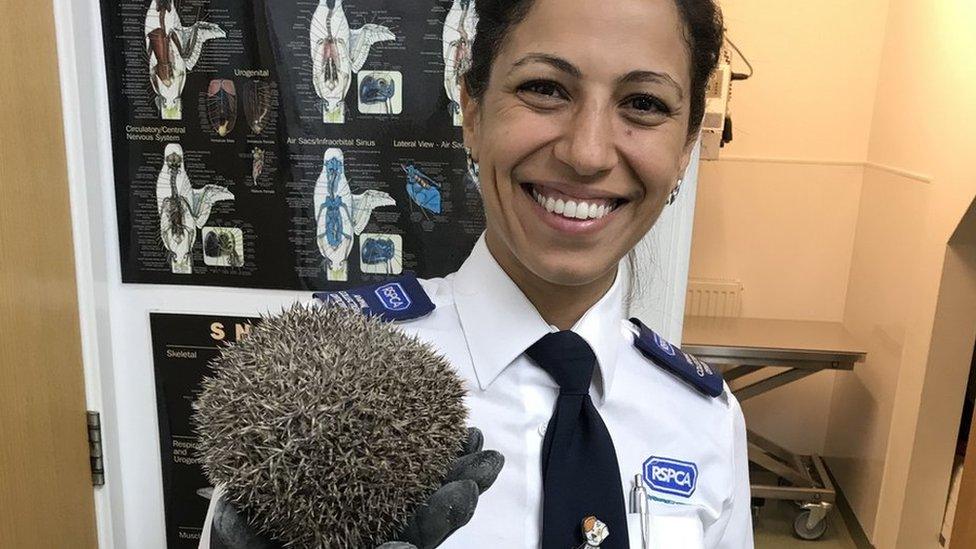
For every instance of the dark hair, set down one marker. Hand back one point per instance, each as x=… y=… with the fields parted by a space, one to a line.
x=703 y=32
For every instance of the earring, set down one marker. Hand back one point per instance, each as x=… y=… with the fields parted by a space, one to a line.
x=472 y=163
x=471 y=159
x=474 y=172
x=674 y=192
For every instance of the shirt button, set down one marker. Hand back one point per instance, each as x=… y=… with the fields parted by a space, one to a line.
x=542 y=429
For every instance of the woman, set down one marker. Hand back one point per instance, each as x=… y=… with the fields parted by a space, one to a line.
x=581 y=117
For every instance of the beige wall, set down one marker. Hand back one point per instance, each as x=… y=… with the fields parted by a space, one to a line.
x=883 y=274
x=791 y=181
x=851 y=168
x=817 y=70
x=786 y=231
x=895 y=471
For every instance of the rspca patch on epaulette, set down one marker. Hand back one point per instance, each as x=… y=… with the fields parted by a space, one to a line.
x=401 y=298
x=688 y=368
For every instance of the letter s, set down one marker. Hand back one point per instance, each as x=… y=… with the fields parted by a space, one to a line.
x=217 y=331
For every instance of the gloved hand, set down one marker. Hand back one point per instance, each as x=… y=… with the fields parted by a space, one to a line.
x=229 y=530
x=448 y=509
x=453 y=504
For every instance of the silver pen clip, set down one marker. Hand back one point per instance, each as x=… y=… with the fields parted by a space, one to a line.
x=638 y=505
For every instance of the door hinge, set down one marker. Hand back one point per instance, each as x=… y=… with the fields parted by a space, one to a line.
x=95 y=448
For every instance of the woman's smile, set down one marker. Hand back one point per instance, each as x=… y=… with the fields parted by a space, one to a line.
x=573 y=212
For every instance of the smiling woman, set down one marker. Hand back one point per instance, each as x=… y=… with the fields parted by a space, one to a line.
x=581 y=117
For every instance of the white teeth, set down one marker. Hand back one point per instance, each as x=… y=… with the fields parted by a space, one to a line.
x=573 y=209
x=570 y=210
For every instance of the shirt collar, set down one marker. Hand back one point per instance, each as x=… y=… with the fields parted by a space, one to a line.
x=500 y=323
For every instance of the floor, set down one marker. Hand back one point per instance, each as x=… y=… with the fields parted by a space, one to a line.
x=774 y=529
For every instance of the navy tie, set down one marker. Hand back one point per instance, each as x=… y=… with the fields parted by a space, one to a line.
x=580 y=475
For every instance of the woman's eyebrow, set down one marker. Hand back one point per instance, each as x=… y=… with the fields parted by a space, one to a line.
x=557 y=63
x=651 y=76
x=632 y=77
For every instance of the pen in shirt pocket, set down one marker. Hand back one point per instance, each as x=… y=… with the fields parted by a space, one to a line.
x=638 y=505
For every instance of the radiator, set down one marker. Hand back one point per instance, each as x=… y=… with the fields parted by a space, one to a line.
x=713 y=297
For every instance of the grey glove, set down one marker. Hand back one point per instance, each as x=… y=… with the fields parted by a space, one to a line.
x=448 y=509
x=453 y=504
x=230 y=531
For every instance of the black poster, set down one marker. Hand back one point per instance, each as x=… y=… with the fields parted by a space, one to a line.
x=297 y=144
x=183 y=346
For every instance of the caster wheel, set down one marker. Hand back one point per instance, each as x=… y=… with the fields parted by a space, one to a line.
x=801 y=529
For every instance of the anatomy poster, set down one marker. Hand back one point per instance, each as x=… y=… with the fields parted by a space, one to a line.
x=183 y=346
x=297 y=144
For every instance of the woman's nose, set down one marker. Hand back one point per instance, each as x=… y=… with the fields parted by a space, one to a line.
x=588 y=143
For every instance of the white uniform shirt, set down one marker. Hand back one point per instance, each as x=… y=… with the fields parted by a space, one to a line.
x=483 y=323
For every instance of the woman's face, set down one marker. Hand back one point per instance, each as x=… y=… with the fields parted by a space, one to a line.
x=586 y=111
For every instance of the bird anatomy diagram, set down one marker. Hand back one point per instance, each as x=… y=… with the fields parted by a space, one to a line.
x=298 y=145
x=173 y=50
x=182 y=208
x=422 y=190
x=222 y=106
x=341 y=215
x=459 y=28
x=338 y=52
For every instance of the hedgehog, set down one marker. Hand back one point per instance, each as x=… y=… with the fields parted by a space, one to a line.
x=327 y=427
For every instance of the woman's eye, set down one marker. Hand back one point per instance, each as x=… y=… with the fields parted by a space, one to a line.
x=543 y=88
x=646 y=104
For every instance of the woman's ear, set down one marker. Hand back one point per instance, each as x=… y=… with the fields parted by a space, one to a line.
x=686 y=154
x=471 y=118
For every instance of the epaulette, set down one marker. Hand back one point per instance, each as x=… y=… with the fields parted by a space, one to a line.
x=679 y=363
x=401 y=298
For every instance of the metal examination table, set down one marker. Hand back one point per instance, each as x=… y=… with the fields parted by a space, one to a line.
x=759 y=355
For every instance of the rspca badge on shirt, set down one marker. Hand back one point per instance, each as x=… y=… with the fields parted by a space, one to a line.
x=402 y=298
x=671 y=476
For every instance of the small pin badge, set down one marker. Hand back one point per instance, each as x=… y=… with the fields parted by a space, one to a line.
x=594 y=532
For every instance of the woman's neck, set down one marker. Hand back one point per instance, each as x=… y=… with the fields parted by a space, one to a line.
x=560 y=306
